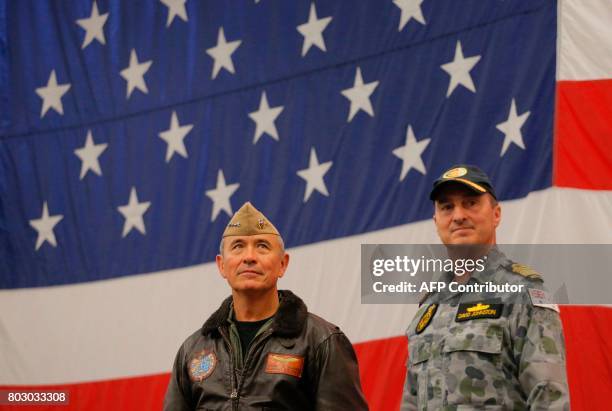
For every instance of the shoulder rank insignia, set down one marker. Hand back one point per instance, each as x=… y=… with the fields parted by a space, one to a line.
x=526 y=271
x=202 y=365
x=426 y=318
x=471 y=311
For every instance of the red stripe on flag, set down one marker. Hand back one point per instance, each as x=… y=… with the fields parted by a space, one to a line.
x=138 y=393
x=588 y=338
x=583 y=140
x=588 y=341
x=382 y=367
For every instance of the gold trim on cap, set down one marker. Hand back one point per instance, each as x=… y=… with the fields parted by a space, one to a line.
x=471 y=184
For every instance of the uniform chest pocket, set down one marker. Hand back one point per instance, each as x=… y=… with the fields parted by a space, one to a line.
x=474 y=342
x=418 y=352
x=480 y=347
x=473 y=366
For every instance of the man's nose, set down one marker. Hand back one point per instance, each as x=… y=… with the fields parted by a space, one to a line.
x=458 y=214
x=249 y=256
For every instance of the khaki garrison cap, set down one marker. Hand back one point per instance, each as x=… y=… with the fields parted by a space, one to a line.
x=249 y=221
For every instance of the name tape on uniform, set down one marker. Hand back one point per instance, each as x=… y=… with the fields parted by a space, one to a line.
x=471 y=311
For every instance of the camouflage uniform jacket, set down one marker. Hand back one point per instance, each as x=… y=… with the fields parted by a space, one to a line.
x=488 y=356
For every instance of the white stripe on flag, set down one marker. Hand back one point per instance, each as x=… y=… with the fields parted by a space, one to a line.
x=133 y=326
x=585 y=40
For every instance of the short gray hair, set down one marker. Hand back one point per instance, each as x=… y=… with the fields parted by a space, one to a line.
x=280 y=240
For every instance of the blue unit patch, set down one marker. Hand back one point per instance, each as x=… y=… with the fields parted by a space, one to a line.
x=202 y=365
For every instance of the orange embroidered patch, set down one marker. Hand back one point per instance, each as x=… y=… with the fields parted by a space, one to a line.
x=285 y=364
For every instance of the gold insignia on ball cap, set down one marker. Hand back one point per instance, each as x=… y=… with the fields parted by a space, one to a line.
x=455 y=172
x=249 y=221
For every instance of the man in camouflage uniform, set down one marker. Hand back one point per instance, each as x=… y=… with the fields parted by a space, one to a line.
x=473 y=351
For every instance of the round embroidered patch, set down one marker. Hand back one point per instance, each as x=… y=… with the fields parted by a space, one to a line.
x=426 y=318
x=202 y=365
x=455 y=172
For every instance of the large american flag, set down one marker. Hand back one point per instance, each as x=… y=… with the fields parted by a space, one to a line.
x=132 y=130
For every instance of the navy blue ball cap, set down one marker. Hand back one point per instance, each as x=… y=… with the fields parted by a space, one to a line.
x=468 y=175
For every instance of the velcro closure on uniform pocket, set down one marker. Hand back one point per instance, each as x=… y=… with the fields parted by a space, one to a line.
x=419 y=352
x=482 y=341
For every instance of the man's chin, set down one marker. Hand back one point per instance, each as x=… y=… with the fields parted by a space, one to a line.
x=251 y=286
x=463 y=240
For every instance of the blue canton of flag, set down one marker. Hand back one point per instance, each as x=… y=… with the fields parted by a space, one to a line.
x=131 y=131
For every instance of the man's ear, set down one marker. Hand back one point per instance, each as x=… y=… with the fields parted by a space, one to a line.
x=497 y=214
x=284 y=265
x=220 y=265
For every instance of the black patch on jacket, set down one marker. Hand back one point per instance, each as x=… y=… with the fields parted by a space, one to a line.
x=473 y=311
x=289 y=320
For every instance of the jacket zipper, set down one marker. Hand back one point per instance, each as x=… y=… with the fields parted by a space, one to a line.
x=234 y=394
x=258 y=341
x=237 y=385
